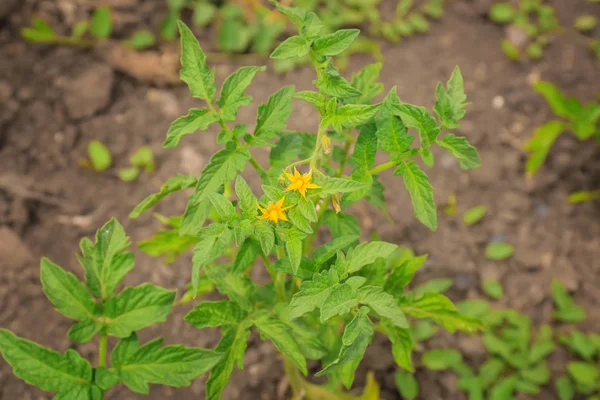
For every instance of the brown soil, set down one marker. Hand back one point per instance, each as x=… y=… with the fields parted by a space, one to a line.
x=54 y=100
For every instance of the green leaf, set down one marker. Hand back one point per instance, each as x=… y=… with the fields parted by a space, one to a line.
x=324 y=252
x=357 y=336
x=440 y=359
x=421 y=193
x=196 y=119
x=222 y=168
x=232 y=92
x=450 y=105
x=365 y=81
x=136 y=308
x=143 y=158
x=141 y=40
x=349 y=116
x=579 y=344
x=272 y=328
x=566 y=309
x=306 y=269
x=407 y=384
x=543 y=346
x=294 y=14
x=422 y=331
x=308 y=339
x=339 y=185
x=335 y=43
x=561 y=106
x=213 y=314
x=40 y=32
x=246 y=256
x=194 y=69
x=341 y=224
x=392 y=135
x=311 y=26
x=106 y=262
x=462 y=150
x=225 y=211
x=339 y=302
x=101 y=25
x=167 y=243
x=384 y=304
x=66 y=293
x=247 y=199
x=307 y=209
x=419 y=118
x=540 y=144
x=439 y=285
x=314 y=98
x=265 y=235
x=84 y=331
x=271 y=117
x=173 y=185
x=474 y=215
x=331 y=83
x=292 y=47
x=99 y=155
x=538 y=374
x=236 y=286
x=232 y=345
x=504 y=389
x=313 y=293
x=585 y=23
x=439 y=308
x=493 y=288
x=204 y=13
x=367 y=253
x=215 y=240
x=502 y=13
x=402 y=275
x=583 y=373
x=293 y=249
x=174 y=365
x=106 y=378
x=45 y=368
x=498 y=251
x=565 y=388
x=402 y=345
x=490 y=370
x=365 y=148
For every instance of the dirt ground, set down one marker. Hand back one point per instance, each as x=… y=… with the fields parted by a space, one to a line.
x=54 y=100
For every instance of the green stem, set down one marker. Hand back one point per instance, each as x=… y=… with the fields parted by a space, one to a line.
x=277 y=277
x=313 y=158
x=102 y=349
x=71 y=41
x=383 y=167
x=257 y=166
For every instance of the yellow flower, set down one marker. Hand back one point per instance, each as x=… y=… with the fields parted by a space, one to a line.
x=274 y=211
x=300 y=182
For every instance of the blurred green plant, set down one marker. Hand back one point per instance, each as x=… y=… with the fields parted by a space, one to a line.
x=581 y=119
x=533 y=18
x=99 y=157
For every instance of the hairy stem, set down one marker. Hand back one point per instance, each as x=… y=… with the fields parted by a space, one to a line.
x=102 y=349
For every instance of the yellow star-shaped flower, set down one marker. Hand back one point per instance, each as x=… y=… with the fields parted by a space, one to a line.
x=274 y=211
x=300 y=182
